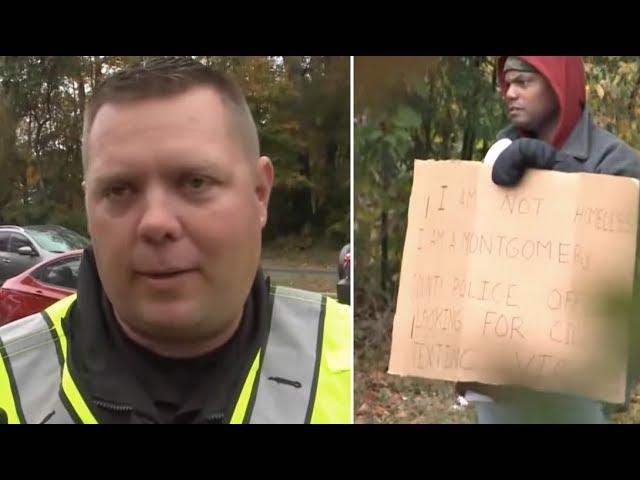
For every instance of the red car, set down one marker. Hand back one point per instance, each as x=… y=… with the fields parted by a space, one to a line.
x=40 y=286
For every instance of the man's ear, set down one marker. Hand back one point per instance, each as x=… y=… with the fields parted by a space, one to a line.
x=264 y=183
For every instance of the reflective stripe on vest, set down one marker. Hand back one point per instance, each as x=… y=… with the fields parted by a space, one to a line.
x=240 y=409
x=10 y=409
x=289 y=371
x=334 y=393
x=30 y=345
x=280 y=387
x=70 y=391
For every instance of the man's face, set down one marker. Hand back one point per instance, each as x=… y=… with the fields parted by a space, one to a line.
x=531 y=102
x=175 y=212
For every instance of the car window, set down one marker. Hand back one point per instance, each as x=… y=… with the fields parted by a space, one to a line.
x=63 y=273
x=4 y=241
x=18 y=240
x=58 y=239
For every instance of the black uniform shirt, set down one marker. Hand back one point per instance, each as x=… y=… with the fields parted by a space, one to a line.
x=126 y=383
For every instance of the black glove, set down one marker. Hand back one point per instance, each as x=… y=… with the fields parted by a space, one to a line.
x=525 y=153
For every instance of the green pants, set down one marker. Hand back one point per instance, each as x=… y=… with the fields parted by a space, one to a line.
x=537 y=407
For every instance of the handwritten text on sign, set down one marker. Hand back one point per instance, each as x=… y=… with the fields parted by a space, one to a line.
x=499 y=285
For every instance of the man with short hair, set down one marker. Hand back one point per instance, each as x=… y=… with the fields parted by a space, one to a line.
x=551 y=128
x=173 y=321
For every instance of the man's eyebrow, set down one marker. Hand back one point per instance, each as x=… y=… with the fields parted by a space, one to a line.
x=178 y=168
x=103 y=178
x=196 y=164
x=519 y=77
x=209 y=166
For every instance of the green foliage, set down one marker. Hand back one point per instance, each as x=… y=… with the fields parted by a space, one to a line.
x=612 y=95
x=301 y=107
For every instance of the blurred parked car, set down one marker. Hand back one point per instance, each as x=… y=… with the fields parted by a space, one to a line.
x=40 y=286
x=24 y=247
x=344 y=275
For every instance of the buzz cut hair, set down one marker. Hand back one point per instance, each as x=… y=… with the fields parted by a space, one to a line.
x=165 y=77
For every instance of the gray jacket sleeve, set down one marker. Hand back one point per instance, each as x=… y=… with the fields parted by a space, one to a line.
x=620 y=160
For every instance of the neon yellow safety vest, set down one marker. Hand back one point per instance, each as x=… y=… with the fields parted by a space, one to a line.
x=307 y=352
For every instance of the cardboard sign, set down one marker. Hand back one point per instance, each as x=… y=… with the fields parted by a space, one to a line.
x=505 y=285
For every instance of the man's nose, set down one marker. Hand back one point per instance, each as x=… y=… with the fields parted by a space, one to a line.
x=512 y=92
x=159 y=221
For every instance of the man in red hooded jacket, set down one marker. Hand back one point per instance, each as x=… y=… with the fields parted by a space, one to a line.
x=551 y=128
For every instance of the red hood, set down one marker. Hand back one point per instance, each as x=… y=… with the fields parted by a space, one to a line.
x=566 y=77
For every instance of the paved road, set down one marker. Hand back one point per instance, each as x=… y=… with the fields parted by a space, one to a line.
x=300 y=271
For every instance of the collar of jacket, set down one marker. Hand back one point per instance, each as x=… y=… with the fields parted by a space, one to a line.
x=100 y=373
x=577 y=145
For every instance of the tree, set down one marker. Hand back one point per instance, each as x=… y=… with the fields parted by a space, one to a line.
x=301 y=107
